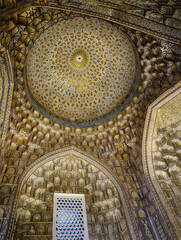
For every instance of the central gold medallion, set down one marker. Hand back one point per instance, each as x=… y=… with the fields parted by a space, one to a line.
x=79 y=59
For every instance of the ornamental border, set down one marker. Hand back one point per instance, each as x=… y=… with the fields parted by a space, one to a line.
x=118 y=16
x=167 y=33
x=7 y=111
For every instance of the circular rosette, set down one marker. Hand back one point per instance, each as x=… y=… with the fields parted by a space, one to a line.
x=81 y=69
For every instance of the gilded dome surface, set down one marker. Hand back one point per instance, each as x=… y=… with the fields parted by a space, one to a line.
x=81 y=69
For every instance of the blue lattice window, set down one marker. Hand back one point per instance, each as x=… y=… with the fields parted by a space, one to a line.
x=69 y=217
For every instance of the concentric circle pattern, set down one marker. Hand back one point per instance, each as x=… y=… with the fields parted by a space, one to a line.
x=79 y=59
x=81 y=69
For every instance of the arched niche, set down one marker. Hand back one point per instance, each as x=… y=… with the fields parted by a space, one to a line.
x=71 y=171
x=161 y=151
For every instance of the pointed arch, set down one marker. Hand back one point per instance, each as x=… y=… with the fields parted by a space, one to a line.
x=160 y=152
x=97 y=164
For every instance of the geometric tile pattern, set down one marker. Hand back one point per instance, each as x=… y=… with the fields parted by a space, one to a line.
x=81 y=68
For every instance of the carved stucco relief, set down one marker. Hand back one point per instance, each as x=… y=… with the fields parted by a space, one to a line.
x=70 y=171
x=162 y=154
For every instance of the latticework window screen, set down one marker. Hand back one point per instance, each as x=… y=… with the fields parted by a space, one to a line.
x=69 y=217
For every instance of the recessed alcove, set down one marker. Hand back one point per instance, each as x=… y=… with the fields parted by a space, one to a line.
x=70 y=171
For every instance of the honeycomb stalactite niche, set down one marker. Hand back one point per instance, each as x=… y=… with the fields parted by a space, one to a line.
x=70 y=174
x=81 y=69
x=163 y=149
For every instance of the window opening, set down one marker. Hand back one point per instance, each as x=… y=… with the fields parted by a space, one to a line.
x=69 y=217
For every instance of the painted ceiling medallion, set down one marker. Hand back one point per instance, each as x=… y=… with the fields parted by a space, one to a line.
x=79 y=60
x=81 y=70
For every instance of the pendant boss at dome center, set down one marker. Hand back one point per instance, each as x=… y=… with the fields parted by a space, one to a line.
x=79 y=59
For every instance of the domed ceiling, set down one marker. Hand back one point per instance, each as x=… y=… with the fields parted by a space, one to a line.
x=82 y=70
